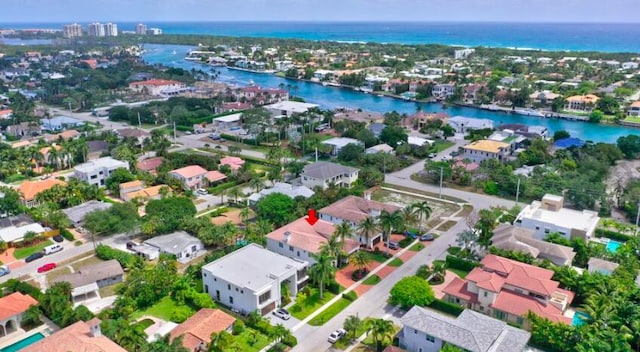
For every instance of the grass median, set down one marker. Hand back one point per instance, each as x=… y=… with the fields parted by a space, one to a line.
x=330 y=312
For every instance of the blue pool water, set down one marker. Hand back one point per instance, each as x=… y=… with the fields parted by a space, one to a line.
x=579 y=319
x=612 y=246
x=23 y=343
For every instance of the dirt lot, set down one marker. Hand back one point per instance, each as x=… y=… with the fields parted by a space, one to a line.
x=440 y=210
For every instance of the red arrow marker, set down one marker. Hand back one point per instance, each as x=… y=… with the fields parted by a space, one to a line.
x=312 y=218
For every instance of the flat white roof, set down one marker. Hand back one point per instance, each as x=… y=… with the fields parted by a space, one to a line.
x=229 y=118
x=418 y=141
x=13 y=233
x=293 y=106
x=341 y=141
x=106 y=162
x=252 y=267
x=568 y=218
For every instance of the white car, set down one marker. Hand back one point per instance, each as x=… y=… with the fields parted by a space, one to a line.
x=202 y=191
x=282 y=314
x=336 y=335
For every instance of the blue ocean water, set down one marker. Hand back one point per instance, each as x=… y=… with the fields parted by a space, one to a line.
x=332 y=97
x=545 y=36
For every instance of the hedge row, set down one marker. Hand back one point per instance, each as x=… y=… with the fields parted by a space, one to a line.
x=222 y=187
x=351 y=296
x=238 y=139
x=460 y=264
x=67 y=235
x=446 y=307
x=612 y=235
x=127 y=260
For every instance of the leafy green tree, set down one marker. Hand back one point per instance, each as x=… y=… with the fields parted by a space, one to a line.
x=411 y=291
x=629 y=145
x=351 y=153
x=10 y=202
x=360 y=260
x=596 y=116
x=608 y=105
x=560 y=134
x=277 y=208
x=121 y=175
x=352 y=324
x=170 y=211
x=393 y=135
x=120 y=218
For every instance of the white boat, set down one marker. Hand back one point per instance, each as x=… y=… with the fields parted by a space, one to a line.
x=175 y=52
x=528 y=112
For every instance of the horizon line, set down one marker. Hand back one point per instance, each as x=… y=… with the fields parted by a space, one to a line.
x=323 y=21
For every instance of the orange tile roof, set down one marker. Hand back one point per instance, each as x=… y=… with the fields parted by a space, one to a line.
x=20 y=144
x=310 y=237
x=131 y=184
x=74 y=338
x=190 y=171
x=68 y=134
x=233 y=161
x=635 y=104
x=14 y=304
x=30 y=189
x=150 y=164
x=5 y=112
x=355 y=209
x=148 y=192
x=200 y=326
x=215 y=175
x=587 y=99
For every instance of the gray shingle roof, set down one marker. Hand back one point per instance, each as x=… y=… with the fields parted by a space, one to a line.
x=173 y=243
x=76 y=214
x=323 y=170
x=92 y=273
x=516 y=238
x=470 y=330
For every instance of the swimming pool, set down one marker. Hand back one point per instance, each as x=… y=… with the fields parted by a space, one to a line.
x=579 y=319
x=23 y=343
x=612 y=246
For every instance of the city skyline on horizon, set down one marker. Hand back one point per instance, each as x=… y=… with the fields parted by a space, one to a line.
x=500 y=11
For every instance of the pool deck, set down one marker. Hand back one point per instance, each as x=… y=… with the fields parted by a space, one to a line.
x=46 y=329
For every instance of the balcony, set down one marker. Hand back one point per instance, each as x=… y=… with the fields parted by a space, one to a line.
x=559 y=300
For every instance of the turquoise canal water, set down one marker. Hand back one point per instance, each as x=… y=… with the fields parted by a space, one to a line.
x=332 y=97
x=23 y=343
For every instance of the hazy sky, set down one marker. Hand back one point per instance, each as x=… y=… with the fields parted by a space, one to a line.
x=320 y=10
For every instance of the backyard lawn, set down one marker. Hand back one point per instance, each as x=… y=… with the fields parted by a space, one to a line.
x=251 y=340
x=163 y=309
x=20 y=253
x=310 y=305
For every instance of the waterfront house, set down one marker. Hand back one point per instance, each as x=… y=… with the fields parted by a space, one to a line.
x=507 y=290
x=421 y=118
x=425 y=330
x=12 y=309
x=80 y=336
x=583 y=103
x=323 y=174
x=543 y=98
x=95 y=172
x=443 y=91
x=251 y=279
x=234 y=106
x=289 y=108
x=549 y=216
x=156 y=87
x=634 y=109
x=485 y=149
x=463 y=124
x=196 y=331
x=192 y=176
x=150 y=164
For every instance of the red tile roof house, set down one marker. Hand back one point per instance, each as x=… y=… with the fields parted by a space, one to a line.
x=12 y=308
x=299 y=239
x=192 y=176
x=234 y=162
x=508 y=290
x=78 y=337
x=150 y=164
x=354 y=210
x=196 y=331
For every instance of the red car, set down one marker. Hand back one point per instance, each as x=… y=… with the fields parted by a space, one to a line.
x=47 y=267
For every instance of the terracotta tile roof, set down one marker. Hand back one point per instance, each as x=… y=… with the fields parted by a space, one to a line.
x=75 y=338
x=233 y=161
x=587 y=99
x=522 y=275
x=309 y=237
x=486 y=280
x=517 y=304
x=190 y=171
x=214 y=176
x=458 y=288
x=150 y=164
x=356 y=209
x=148 y=192
x=131 y=184
x=68 y=134
x=14 y=304
x=20 y=144
x=29 y=189
x=199 y=327
x=635 y=104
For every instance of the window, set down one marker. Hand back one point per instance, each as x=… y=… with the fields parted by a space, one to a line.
x=430 y=338
x=485 y=293
x=546 y=230
x=230 y=299
x=236 y=289
x=264 y=297
x=291 y=248
x=520 y=321
x=415 y=331
x=205 y=275
x=298 y=253
x=228 y=287
x=482 y=308
x=537 y=227
x=281 y=245
x=215 y=279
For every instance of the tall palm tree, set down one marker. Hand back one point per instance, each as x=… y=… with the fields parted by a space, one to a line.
x=409 y=217
x=236 y=193
x=388 y=222
x=333 y=247
x=367 y=228
x=380 y=330
x=256 y=183
x=343 y=231
x=130 y=336
x=322 y=271
x=352 y=324
x=424 y=211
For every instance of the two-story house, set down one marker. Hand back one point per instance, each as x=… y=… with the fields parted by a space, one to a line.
x=251 y=278
x=425 y=330
x=508 y=290
x=95 y=172
x=301 y=239
x=549 y=215
x=192 y=176
x=322 y=174
x=485 y=149
x=354 y=210
x=581 y=102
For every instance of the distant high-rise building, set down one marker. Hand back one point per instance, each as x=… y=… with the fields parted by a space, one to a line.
x=141 y=28
x=111 y=29
x=72 y=30
x=154 y=31
x=96 y=30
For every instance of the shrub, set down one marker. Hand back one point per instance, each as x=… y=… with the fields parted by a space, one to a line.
x=405 y=242
x=125 y=259
x=446 y=307
x=411 y=291
x=351 y=296
x=454 y=251
x=264 y=327
x=334 y=287
x=460 y=264
x=290 y=340
x=612 y=235
x=238 y=327
x=180 y=314
x=359 y=274
x=66 y=235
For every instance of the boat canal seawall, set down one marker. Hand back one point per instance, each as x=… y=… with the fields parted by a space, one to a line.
x=331 y=97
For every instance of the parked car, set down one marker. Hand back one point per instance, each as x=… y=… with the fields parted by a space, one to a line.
x=214 y=136
x=4 y=270
x=455 y=153
x=47 y=267
x=202 y=191
x=432 y=155
x=336 y=335
x=34 y=256
x=427 y=237
x=282 y=313
x=58 y=238
x=410 y=235
x=392 y=245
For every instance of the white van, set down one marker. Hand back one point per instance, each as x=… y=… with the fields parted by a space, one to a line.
x=52 y=249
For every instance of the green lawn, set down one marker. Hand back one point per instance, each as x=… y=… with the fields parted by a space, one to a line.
x=441 y=145
x=396 y=262
x=372 y=280
x=311 y=304
x=377 y=256
x=330 y=312
x=27 y=251
x=163 y=309
x=416 y=247
x=632 y=119
x=251 y=340
x=459 y=272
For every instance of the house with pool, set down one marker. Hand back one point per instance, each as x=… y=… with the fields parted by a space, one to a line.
x=12 y=309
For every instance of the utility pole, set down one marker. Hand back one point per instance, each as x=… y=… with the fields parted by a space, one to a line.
x=174 y=130
x=139 y=121
x=518 y=190
x=635 y=231
x=441 y=173
x=316 y=154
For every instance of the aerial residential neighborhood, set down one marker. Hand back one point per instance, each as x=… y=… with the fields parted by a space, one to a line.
x=166 y=189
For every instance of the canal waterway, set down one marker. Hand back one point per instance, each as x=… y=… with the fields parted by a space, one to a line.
x=332 y=97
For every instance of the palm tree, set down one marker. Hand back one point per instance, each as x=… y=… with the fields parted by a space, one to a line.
x=343 y=231
x=244 y=214
x=352 y=324
x=423 y=210
x=388 y=222
x=380 y=330
x=333 y=247
x=360 y=260
x=130 y=336
x=236 y=193
x=438 y=270
x=409 y=217
x=220 y=341
x=279 y=332
x=322 y=271
x=256 y=183
x=367 y=228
